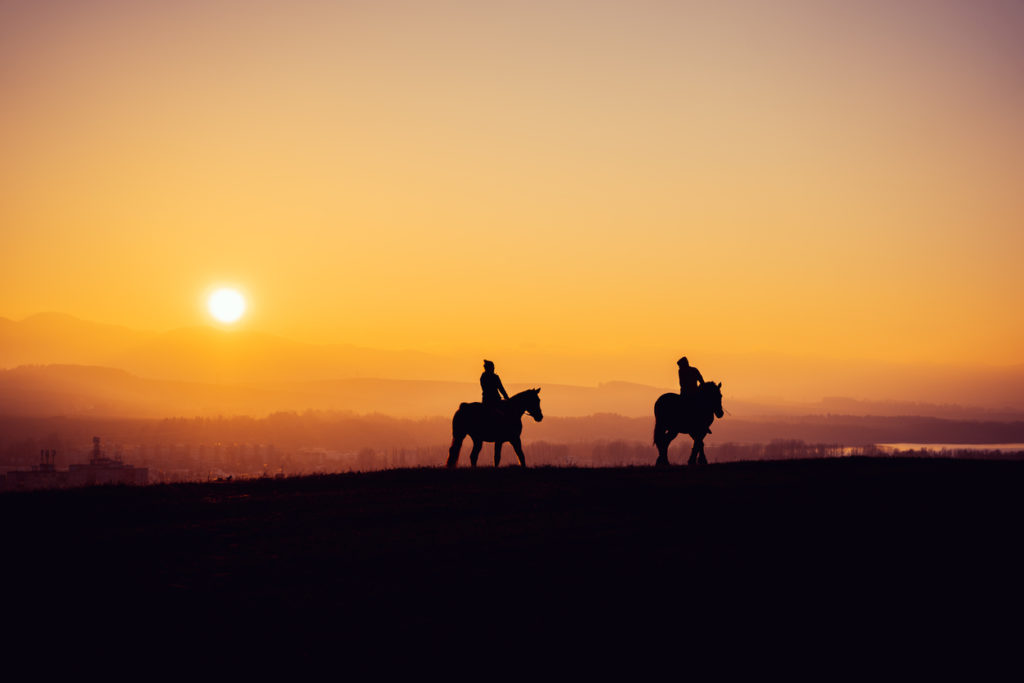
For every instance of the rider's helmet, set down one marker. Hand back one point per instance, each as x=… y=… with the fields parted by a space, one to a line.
x=682 y=361
x=489 y=366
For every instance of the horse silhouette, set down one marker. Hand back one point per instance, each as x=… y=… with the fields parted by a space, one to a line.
x=481 y=424
x=693 y=415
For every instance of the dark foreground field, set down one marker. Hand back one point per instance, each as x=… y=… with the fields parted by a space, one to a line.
x=874 y=554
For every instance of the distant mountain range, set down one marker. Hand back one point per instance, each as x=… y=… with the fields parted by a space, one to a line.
x=60 y=365
x=77 y=390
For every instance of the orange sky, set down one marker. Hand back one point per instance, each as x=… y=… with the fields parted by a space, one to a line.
x=583 y=177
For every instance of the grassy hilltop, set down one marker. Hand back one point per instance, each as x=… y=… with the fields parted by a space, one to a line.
x=801 y=549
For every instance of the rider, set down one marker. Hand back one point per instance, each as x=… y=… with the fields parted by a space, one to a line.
x=689 y=380
x=492 y=388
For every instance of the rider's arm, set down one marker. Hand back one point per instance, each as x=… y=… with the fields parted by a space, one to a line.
x=700 y=378
x=501 y=388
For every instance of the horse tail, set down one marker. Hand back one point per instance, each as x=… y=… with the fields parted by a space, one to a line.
x=660 y=430
x=659 y=418
x=458 y=434
x=459 y=418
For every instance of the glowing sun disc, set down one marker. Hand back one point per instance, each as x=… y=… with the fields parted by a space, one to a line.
x=226 y=305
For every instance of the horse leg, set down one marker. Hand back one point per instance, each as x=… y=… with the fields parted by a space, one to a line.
x=697 y=445
x=662 y=440
x=517 y=444
x=701 y=458
x=497 y=452
x=475 y=453
x=453 y=452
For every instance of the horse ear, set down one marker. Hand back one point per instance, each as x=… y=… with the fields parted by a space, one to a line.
x=719 y=385
x=537 y=390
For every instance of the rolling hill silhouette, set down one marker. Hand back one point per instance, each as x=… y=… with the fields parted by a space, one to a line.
x=269 y=372
x=790 y=554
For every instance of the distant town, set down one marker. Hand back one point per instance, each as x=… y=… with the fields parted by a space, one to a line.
x=137 y=464
x=99 y=469
x=25 y=467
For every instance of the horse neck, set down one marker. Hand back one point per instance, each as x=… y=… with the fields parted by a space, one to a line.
x=518 y=402
x=705 y=400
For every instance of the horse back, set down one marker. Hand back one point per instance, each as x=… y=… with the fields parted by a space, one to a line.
x=667 y=406
x=469 y=413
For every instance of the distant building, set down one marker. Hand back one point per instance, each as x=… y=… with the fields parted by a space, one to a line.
x=41 y=476
x=99 y=470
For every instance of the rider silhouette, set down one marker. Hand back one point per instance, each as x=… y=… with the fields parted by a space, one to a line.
x=492 y=388
x=689 y=378
x=689 y=381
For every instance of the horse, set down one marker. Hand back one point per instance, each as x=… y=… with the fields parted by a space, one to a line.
x=674 y=414
x=481 y=423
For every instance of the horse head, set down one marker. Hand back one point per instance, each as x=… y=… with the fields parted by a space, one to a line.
x=713 y=393
x=532 y=403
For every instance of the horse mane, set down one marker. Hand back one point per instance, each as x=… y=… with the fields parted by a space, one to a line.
x=521 y=393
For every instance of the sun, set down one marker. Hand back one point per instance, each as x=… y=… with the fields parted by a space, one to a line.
x=226 y=305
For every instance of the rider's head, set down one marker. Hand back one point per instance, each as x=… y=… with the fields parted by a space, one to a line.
x=489 y=366
x=682 y=362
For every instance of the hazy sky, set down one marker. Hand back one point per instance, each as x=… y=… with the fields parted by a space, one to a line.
x=838 y=178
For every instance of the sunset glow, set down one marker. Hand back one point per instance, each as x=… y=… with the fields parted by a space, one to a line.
x=584 y=191
x=508 y=333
